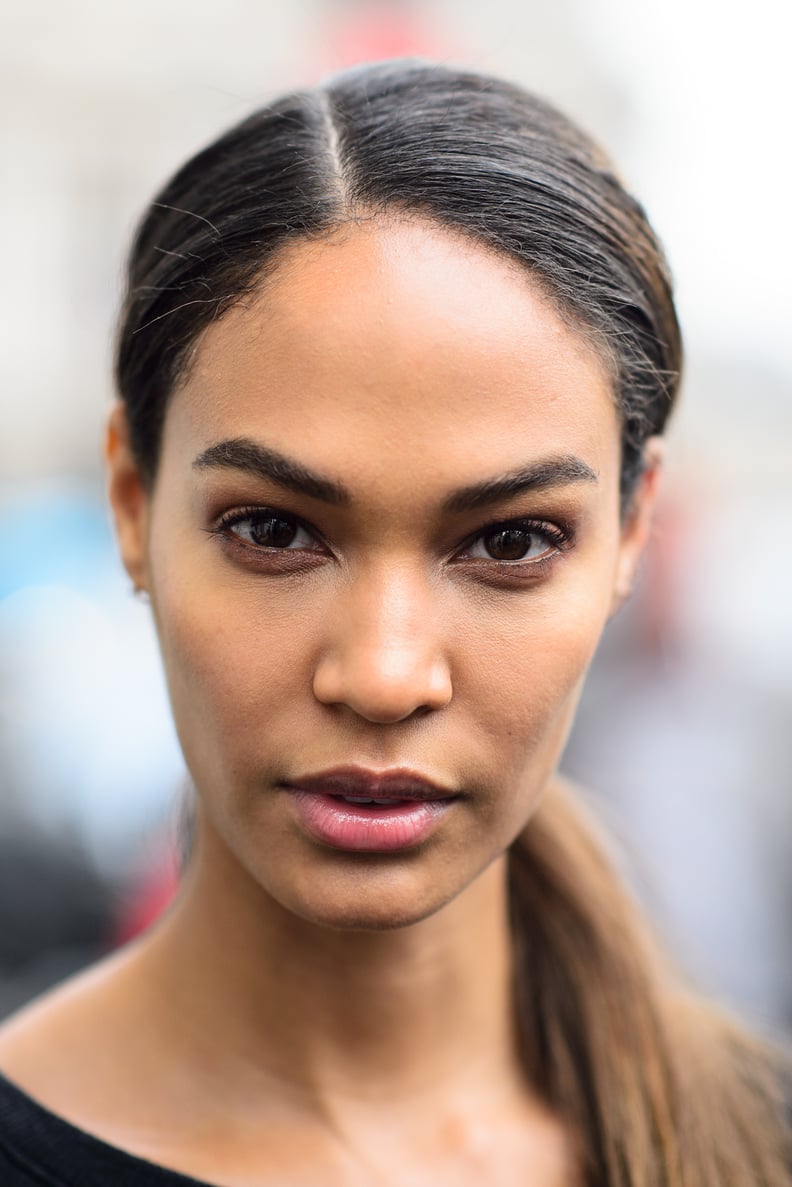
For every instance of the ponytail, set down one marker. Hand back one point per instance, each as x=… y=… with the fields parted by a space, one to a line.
x=657 y=1090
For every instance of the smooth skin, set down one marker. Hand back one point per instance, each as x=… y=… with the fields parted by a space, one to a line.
x=303 y=1007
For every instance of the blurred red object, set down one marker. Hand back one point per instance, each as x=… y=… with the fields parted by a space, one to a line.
x=152 y=895
x=374 y=31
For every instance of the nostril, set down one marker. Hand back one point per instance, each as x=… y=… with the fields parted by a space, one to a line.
x=380 y=694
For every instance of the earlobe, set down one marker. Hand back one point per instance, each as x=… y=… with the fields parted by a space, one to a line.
x=128 y=496
x=638 y=522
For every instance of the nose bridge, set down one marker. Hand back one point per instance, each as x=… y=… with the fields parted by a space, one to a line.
x=384 y=655
x=394 y=603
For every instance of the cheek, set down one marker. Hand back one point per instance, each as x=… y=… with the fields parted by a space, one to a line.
x=524 y=674
x=235 y=664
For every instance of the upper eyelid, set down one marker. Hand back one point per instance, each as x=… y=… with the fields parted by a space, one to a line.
x=240 y=514
x=554 y=531
x=520 y=521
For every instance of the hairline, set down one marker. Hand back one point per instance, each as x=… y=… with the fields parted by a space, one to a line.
x=394 y=214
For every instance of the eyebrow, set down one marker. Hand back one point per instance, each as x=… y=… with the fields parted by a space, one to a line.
x=241 y=453
x=559 y=470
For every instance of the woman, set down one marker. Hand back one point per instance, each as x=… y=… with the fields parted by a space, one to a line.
x=393 y=366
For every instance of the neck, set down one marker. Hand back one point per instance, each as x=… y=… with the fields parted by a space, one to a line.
x=335 y=1013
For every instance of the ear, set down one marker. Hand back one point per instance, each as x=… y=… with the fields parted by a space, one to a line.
x=129 y=498
x=638 y=522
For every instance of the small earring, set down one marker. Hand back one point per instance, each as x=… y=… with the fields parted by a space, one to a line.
x=140 y=594
x=626 y=590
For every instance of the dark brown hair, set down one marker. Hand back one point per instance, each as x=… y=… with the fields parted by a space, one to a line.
x=656 y=1091
x=471 y=152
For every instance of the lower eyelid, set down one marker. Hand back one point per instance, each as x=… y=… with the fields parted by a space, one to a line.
x=269 y=560
x=515 y=575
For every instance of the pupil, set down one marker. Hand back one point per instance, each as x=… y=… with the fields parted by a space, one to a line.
x=509 y=544
x=273 y=533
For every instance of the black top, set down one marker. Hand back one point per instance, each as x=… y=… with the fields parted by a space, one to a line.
x=38 y=1149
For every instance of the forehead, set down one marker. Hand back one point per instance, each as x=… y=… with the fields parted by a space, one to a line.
x=398 y=340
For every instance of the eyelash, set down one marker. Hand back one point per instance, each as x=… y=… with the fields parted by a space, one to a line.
x=559 y=537
x=231 y=518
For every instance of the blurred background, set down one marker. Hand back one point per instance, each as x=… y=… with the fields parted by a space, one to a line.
x=684 y=733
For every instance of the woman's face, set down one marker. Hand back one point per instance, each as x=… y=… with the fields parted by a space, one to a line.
x=384 y=536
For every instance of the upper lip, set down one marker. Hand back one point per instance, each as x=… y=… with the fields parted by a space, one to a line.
x=395 y=784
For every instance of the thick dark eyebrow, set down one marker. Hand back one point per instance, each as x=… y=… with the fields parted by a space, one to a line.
x=243 y=454
x=539 y=475
x=240 y=453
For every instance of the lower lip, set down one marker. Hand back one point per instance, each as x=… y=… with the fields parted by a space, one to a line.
x=368 y=829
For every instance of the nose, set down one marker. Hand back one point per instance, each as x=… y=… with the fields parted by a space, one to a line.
x=384 y=655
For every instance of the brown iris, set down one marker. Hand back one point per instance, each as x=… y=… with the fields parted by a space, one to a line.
x=272 y=532
x=508 y=544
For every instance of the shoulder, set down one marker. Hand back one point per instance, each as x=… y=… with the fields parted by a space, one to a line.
x=79 y=1103
x=81 y=1050
x=40 y=1149
x=54 y=1032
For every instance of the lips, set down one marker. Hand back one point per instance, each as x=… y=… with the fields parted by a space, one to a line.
x=357 y=783
x=369 y=811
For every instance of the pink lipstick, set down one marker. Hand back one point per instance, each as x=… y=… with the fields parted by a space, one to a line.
x=369 y=811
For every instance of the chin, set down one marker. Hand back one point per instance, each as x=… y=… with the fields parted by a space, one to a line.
x=368 y=898
x=357 y=920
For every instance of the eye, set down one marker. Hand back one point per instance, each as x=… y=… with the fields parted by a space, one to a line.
x=262 y=528
x=517 y=541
